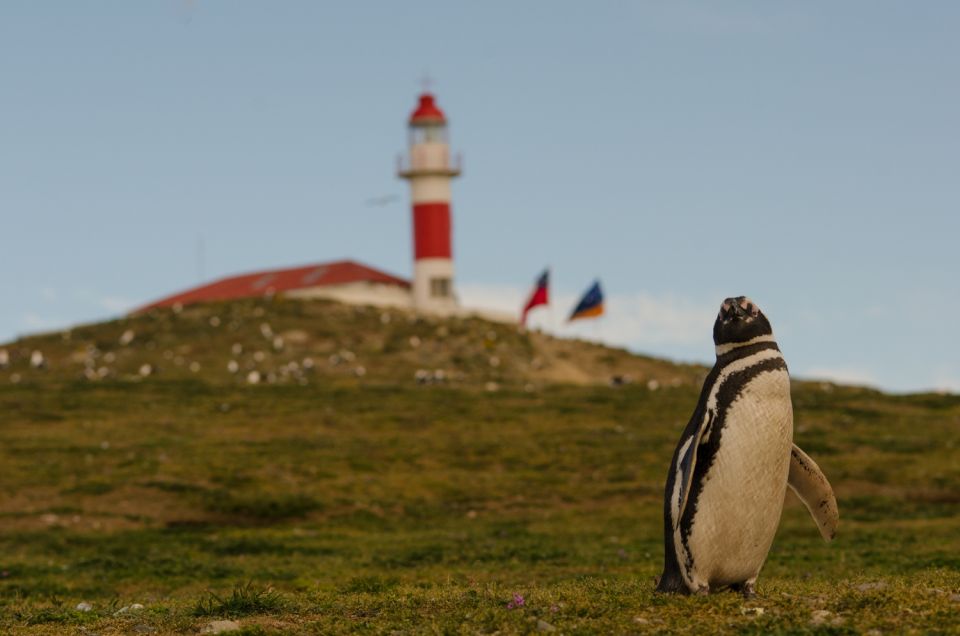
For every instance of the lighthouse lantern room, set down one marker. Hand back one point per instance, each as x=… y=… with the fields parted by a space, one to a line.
x=429 y=170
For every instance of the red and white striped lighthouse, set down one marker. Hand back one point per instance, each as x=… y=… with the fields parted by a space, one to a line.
x=429 y=169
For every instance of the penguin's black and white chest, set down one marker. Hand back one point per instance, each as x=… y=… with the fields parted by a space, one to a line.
x=724 y=528
x=735 y=514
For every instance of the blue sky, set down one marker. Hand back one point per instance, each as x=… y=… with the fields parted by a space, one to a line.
x=804 y=154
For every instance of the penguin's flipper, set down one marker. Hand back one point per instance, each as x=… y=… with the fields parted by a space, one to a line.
x=811 y=486
x=686 y=462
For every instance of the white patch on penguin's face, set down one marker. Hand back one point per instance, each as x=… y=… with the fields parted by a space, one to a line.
x=739 y=321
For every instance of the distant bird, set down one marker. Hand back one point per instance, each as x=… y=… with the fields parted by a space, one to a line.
x=382 y=200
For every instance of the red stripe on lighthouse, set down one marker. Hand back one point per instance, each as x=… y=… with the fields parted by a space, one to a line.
x=431 y=230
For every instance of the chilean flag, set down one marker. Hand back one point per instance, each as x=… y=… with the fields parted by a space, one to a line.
x=539 y=296
x=591 y=305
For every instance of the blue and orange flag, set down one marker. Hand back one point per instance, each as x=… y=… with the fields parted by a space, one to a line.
x=591 y=305
x=539 y=296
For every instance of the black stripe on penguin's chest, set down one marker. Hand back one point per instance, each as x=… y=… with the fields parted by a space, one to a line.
x=728 y=392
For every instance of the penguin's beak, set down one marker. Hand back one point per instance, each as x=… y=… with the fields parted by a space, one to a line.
x=738 y=308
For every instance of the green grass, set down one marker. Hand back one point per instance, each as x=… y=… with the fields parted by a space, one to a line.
x=348 y=505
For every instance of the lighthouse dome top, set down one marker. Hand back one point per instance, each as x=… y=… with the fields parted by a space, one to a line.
x=427 y=112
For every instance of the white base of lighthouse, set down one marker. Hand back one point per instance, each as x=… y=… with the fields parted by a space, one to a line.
x=433 y=286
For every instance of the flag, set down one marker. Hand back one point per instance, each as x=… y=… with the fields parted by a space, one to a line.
x=591 y=305
x=539 y=295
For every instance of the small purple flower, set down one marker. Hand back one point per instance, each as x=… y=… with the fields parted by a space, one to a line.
x=516 y=602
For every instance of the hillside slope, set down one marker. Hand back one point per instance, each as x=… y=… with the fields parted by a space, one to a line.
x=290 y=341
x=329 y=501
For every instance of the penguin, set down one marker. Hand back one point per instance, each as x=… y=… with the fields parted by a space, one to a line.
x=726 y=484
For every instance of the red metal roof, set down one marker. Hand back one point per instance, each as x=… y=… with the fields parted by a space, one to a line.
x=276 y=281
x=427 y=111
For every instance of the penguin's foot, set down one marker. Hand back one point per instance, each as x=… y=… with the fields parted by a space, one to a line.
x=702 y=590
x=747 y=588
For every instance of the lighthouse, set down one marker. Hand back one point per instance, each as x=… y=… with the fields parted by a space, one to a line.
x=429 y=170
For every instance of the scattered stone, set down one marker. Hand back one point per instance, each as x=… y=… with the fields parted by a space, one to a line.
x=4 y=359
x=824 y=617
x=348 y=356
x=104 y=445
x=544 y=626
x=103 y=372
x=439 y=375
x=259 y=356
x=640 y=620
x=127 y=337
x=109 y=357
x=84 y=607
x=751 y=611
x=146 y=370
x=385 y=318
x=214 y=321
x=529 y=387
x=266 y=331
x=178 y=360
x=15 y=378
x=194 y=367
x=955 y=598
x=236 y=349
x=334 y=360
x=360 y=371
x=414 y=342
x=143 y=628
x=37 y=361
x=422 y=376
x=278 y=343
x=136 y=607
x=253 y=377
x=233 y=366
x=221 y=627
x=870 y=587
x=653 y=385
x=491 y=387
x=819 y=617
x=494 y=361
x=442 y=332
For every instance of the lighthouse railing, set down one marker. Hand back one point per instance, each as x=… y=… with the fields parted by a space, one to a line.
x=427 y=162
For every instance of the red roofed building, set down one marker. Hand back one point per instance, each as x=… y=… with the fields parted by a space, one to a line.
x=346 y=281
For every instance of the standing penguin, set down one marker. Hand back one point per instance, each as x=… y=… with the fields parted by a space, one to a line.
x=730 y=471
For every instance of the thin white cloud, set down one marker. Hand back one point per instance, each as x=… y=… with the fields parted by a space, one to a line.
x=840 y=375
x=35 y=322
x=637 y=320
x=116 y=304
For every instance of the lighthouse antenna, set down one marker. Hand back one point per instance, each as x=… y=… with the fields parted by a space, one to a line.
x=426 y=82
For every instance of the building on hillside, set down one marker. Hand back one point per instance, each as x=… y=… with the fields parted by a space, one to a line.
x=429 y=169
x=345 y=281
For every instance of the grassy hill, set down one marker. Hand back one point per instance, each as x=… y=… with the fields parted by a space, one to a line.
x=353 y=488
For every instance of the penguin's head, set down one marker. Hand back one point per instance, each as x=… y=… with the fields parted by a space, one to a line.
x=740 y=321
